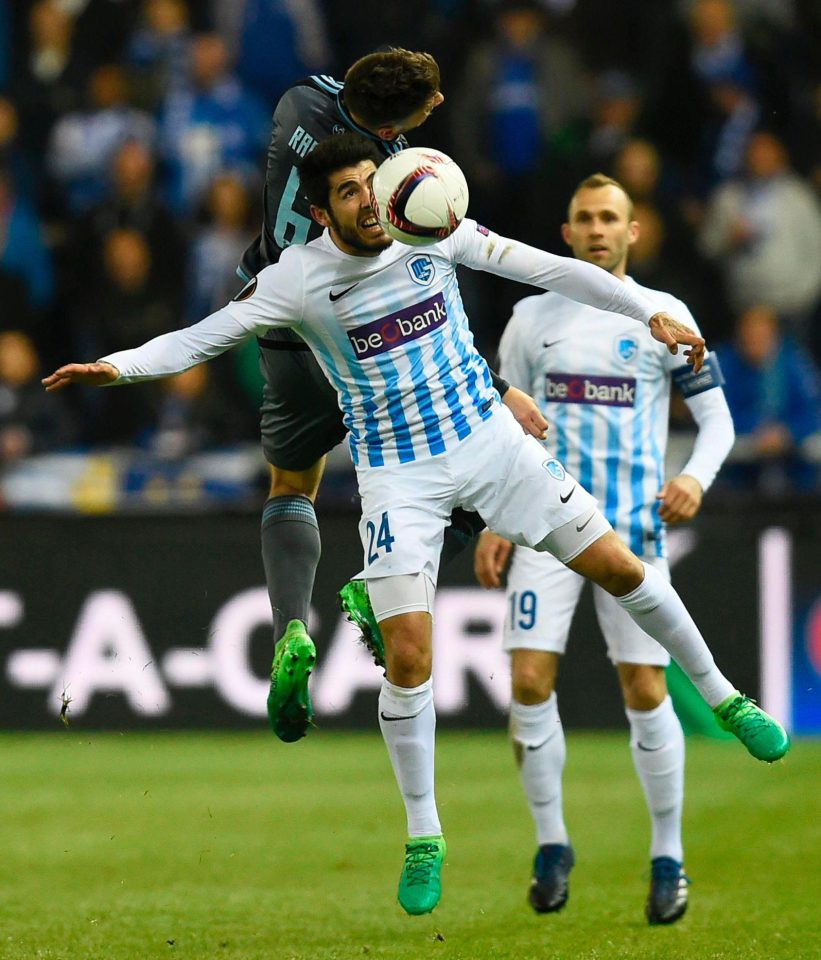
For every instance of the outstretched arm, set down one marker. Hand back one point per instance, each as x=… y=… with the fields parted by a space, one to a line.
x=575 y=279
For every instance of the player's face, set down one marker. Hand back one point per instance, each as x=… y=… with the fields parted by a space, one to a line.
x=599 y=228
x=350 y=214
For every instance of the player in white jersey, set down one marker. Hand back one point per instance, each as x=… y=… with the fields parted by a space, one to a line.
x=604 y=386
x=428 y=433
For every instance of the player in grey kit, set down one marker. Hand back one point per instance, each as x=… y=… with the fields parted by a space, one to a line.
x=384 y=94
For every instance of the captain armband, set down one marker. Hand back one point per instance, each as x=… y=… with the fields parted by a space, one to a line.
x=691 y=383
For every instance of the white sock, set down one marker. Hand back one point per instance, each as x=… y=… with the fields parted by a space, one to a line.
x=538 y=741
x=657 y=742
x=408 y=722
x=658 y=610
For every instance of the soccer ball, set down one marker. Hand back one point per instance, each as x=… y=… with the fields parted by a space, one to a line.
x=420 y=196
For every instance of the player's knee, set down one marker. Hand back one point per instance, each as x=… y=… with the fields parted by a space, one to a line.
x=643 y=685
x=622 y=573
x=408 y=648
x=530 y=682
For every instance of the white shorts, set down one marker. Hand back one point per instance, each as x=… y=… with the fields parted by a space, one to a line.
x=508 y=478
x=542 y=595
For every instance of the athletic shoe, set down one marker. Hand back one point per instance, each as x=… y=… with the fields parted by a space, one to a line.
x=761 y=734
x=420 y=885
x=667 y=900
x=354 y=600
x=551 y=868
x=289 y=702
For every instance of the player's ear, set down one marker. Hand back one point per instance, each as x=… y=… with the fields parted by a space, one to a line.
x=633 y=231
x=387 y=132
x=566 y=233
x=320 y=215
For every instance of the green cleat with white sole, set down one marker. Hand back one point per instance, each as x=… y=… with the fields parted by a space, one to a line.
x=761 y=734
x=289 y=701
x=420 y=886
x=354 y=600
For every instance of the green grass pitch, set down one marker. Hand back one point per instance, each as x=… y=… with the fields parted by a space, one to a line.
x=237 y=847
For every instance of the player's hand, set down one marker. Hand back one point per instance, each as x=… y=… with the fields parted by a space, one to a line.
x=680 y=499
x=526 y=411
x=671 y=332
x=491 y=559
x=94 y=374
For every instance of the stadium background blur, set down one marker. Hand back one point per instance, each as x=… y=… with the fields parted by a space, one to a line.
x=132 y=145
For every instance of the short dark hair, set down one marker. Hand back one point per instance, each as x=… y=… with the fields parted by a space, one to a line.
x=335 y=153
x=390 y=85
x=595 y=182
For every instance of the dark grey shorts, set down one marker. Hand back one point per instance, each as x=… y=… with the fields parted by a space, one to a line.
x=300 y=417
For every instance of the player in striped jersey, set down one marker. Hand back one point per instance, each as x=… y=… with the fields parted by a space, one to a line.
x=428 y=433
x=384 y=95
x=605 y=388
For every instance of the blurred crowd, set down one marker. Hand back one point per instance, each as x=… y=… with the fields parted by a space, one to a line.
x=132 y=145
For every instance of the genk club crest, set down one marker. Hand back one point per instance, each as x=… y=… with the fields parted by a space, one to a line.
x=555 y=469
x=626 y=347
x=421 y=269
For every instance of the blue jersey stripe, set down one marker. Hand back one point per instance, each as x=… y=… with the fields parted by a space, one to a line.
x=457 y=414
x=585 y=476
x=637 y=482
x=366 y=404
x=658 y=523
x=393 y=397
x=560 y=420
x=430 y=418
x=611 y=497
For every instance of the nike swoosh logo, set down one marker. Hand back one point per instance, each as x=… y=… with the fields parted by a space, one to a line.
x=552 y=343
x=641 y=746
x=333 y=297
x=565 y=499
x=580 y=528
x=539 y=745
x=385 y=717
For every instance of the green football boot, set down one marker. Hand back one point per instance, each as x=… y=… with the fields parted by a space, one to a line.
x=761 y=734
x=354 y=600
x=289 y=702
x=420 y=885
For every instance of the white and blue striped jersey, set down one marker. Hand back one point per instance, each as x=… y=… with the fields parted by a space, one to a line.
x=390 y=332
x=603 y=384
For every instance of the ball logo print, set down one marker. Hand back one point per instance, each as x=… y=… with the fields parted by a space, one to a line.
x=420 y=196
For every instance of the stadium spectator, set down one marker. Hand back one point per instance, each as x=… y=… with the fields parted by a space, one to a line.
x=48 y=81
x=159 y=50
x=617 y=107
x=211 y=123
x=219 y=247
x=14 y=158
x=5 y=45
x=774 y=392
x=647 y=178
x=22 y=251
x=275 y=42
x=764 y=231
x=84 y=141
x=27 y=425
x=195 y=414
x=132 y=203
x=679 y=269
x=122 y=303
x=521 y=94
